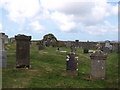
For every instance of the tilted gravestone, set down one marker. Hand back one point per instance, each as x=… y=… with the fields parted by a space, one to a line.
x=98 y=67
x=72 y=64
x=22 y=51
x=3 y=56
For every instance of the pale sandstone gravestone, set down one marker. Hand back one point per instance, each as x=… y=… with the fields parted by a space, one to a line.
x=3 y=55
x=22 y=51
x=98 y=64
x=72 y=64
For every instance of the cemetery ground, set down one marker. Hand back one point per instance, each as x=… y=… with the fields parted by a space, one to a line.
x=48 y=70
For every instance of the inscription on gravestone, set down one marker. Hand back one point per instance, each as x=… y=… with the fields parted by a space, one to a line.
x=22 y=51
x=72 y=64
x=98 y=67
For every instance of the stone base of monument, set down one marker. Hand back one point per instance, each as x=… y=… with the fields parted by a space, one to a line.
x=23 y=66
x=72 y=73
x=3 y=59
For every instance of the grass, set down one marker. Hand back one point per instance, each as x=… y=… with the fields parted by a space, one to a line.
x=49 y=70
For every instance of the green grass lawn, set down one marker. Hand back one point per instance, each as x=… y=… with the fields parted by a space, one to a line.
x=49 y=70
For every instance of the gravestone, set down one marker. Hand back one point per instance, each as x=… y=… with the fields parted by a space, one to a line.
x=77 y=43
x=73 y=49
x=85 y=50
x=22 y=51
x=98 y=67
x=107 y=47
x=3 y=55
x=40 y=47
x=58 y=49
x=72 y=64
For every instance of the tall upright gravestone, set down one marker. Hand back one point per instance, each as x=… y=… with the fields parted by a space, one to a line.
x=72 y=64
x=3 y=56
x=98 y=67
x=22 y=51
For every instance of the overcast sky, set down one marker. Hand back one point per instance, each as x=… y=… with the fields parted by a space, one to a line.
x=93 y=20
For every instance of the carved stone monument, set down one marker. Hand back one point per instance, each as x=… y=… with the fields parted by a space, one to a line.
x=22 y=51
x=98 y=67
x=72 y=64
x=3 y=56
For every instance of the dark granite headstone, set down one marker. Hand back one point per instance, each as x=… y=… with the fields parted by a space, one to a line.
x=98 y=67
x=72 y=64
x=85 y=50
x=22 y=51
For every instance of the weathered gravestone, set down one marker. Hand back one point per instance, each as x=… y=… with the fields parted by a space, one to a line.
x=3 y=56
x=22 y=51
x=73 y=49
x=107 y=47
x=98 y=59
x=40 y=46
x=72 y=64
x=77 y=43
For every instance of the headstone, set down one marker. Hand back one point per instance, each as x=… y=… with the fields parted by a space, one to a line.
x=77 y=43
x=40 y=47
x=73 y=49
x=85 y=50
x=98 y=61
x=107 y=43
x=3 y=55
x=107 y=47
x=58 y=49
x=72 y=64
x=22 y=51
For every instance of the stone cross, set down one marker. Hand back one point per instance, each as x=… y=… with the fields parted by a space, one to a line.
x=98 y=67
x=72 y=64
x=22 y=51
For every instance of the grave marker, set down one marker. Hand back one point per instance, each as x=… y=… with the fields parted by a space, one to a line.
x=72 y=64
x=98 y=67
x=22 y=51
x=3 y=55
